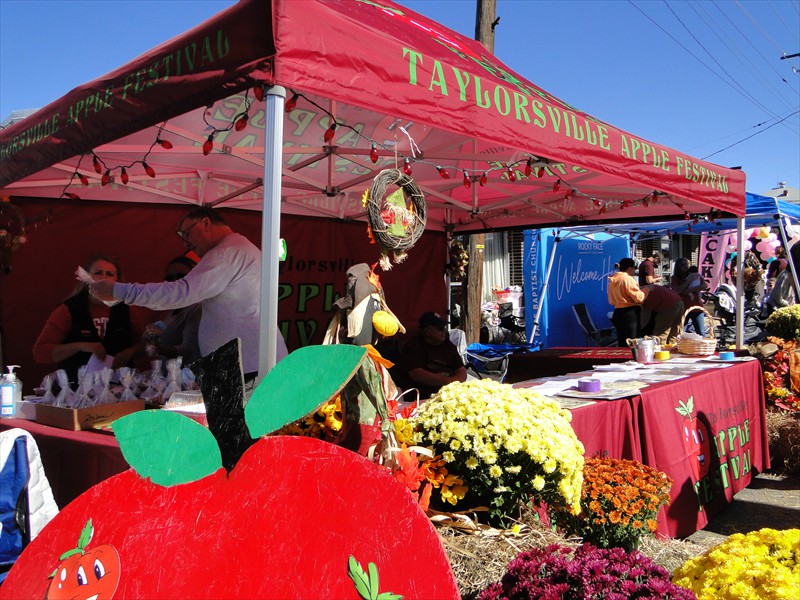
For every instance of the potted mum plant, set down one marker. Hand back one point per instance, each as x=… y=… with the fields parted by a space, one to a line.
x=506 y=445
x=761 y=564
x=559 y=573
x=620 y=500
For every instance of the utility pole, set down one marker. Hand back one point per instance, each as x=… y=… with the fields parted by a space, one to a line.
x=472 y=286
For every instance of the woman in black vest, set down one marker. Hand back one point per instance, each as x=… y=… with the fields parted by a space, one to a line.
x=82 y=326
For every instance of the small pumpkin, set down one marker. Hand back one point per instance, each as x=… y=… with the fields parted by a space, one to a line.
x=385 y=323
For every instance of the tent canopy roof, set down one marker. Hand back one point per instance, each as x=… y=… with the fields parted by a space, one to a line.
x=389 y=79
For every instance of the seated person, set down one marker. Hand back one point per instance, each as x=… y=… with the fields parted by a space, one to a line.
x=430 y=360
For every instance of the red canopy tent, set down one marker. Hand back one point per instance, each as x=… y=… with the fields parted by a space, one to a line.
x=366 y=77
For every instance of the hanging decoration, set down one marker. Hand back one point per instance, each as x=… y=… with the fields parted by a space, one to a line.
x=459 y=259
x=396 y=221
x=12 y=232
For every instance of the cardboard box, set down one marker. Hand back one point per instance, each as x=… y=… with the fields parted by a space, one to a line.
x=85 y=418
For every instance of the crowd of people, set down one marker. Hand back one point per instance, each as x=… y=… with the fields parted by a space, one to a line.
x=643 y=307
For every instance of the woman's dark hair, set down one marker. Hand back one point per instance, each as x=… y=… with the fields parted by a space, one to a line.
x=626 y=263
x=87 y=265
x=95 y=256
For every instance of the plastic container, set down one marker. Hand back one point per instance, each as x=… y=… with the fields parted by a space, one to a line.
x=10 y=393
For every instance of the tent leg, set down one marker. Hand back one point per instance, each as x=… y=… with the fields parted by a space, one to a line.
x=544 y=289
x=740 y=283
x=271 y=230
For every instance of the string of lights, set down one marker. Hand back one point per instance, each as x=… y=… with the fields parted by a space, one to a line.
x=530 y=167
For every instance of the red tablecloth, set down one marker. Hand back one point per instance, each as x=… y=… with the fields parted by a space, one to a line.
x=560 y=361
x=73 y=461
x=608 y=429
x=709 y=434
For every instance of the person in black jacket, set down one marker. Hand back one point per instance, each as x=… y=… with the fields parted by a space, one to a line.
x=82 y=326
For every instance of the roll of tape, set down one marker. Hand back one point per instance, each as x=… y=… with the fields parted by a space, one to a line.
x=662 y=355
x=589 y=385
x=726 y=355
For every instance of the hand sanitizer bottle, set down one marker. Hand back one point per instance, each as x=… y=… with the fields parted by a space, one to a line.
x=10 y=393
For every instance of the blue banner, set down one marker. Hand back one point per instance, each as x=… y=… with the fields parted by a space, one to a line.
x=580 y=272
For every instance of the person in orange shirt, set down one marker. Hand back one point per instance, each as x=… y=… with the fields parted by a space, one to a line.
x=626 y=297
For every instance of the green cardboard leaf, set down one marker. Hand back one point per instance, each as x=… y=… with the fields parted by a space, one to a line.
x=356 y=572
x=167 y=447
x=299 y=384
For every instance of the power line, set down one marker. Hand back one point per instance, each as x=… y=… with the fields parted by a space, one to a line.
x=692 y=54
x=751 y=136
x=743 y=90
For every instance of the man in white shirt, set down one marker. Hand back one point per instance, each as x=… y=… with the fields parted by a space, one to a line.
x=227 y=281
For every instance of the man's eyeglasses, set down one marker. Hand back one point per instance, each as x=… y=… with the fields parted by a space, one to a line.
x=184 y=234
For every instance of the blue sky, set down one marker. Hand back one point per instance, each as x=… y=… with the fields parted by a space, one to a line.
x=704 y=77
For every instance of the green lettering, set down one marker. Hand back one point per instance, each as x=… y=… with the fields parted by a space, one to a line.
x=540 y=120
x=463 y=82
x=520 y=108
x=305 y=293
x=555 y=118
x=624 y=150
x=284 y=291
x=412 y=64
x=206 y=56
x=437 y=78
x=603 y=132
x=481 y=97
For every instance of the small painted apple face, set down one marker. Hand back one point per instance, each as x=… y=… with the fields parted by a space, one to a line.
x=90 y=576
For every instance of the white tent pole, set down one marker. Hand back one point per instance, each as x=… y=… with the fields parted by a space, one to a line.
x=739 y=283
x=271 y=229
x=544 y=289
x=789 y=260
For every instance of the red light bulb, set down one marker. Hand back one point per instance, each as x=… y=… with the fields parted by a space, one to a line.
x=208 y=145
x=557 y=185
x=687 y=216
x=528 y=168
x=373 y=154
x=484 y=178
x=407 y=167
x=467 y=181
x=165 y=144
x=123 y=176
x=84 y=179
x=148 y=169
x=443 y=173
x=570 y=193
x=241 y=122
x=72 y=196
x=329 y=133
x=258 y=92
x=96 y=165
x=106 y=178
x=511 y=175
x=540 y=172
x=291 y=104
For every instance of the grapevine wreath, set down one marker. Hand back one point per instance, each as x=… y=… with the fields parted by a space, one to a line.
x=396 y=221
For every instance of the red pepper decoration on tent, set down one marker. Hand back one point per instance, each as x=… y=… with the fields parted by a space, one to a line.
x=373 y=154
x=106 y=178
x=165 y=144
x=84 y=179
x=208 y=145
x=484 y=179
x=329 y=133
x=443 y=173
x=148 y=169
x=241 y=122
x=291 y=103
x=96 y=164
x=467 y=181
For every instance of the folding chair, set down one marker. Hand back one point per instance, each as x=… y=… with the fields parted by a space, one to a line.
x=594 y=336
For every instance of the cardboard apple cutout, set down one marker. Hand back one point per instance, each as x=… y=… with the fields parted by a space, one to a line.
x=295 y=517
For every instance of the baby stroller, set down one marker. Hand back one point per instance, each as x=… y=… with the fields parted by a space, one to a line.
x=724 y=298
